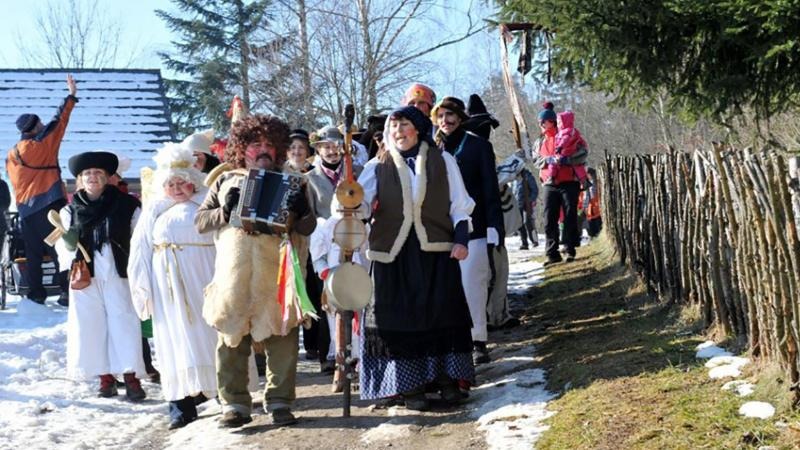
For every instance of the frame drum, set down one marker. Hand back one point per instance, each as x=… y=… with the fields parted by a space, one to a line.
x=349 y=287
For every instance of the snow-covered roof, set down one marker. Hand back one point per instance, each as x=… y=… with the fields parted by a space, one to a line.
x=121 y=110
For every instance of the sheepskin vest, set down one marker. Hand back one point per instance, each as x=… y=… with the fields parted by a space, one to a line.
x=396 y=210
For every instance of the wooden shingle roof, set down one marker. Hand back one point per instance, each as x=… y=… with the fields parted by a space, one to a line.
x=121 y=110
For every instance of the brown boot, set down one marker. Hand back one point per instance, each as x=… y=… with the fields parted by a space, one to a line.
x=133 y=388
x=108 y=386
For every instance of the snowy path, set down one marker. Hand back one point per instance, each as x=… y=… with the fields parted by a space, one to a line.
x=41 y=409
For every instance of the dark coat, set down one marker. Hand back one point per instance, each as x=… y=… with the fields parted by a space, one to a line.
x=476 y=160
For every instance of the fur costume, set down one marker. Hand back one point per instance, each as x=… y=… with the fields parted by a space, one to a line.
x=242 y=297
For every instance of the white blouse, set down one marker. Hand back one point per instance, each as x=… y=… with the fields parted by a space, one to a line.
x=461 y=204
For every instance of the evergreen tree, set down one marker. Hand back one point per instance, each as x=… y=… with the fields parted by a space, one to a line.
x=712 y=58
x=213 y=55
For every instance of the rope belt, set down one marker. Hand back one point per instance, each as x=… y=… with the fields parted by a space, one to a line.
x=173 y=248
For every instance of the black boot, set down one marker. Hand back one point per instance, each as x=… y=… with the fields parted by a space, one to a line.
x=480 y=354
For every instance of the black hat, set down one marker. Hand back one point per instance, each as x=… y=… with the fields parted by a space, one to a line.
x=480 y=121
x=26 y=122
x=298 y=133
x=93 y=160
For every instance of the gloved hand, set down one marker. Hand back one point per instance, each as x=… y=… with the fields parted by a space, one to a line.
x=324 y=274
x=231 y=200
x=298 y=203
x=564 y=160
x=551 y=160
x=71 y=239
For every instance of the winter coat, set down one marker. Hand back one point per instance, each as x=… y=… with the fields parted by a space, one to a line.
x=555 y=174
x=526 y=190
x=476 y=160
x=32 y=164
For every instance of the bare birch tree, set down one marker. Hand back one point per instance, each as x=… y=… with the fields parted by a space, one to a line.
x=74 y=34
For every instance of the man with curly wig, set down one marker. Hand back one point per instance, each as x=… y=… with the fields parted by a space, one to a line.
x=241 y=300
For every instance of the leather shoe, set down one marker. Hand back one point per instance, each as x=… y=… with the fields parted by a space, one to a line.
x=234 y=419
x=283 y=416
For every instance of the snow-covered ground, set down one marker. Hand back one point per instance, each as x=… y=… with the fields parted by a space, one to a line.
x=41 y=409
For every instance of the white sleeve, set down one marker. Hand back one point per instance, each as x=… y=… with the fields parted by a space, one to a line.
x=461 y=204
x=369 y=182
x=318 y=244
x=361 y=155
x=140 y=262
x=65 y=256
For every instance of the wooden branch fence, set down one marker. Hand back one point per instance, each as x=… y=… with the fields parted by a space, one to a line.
x=715 y=228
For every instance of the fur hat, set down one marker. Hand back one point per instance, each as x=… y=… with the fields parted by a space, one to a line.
x=93 y=160
x=175 y=160
x=453 y=104
x=548 y=113
x=26 y=122
x=200 y=142
x=419 y=91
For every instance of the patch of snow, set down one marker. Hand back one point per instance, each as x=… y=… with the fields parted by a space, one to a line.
x=511 y=410
x=392 y=431
x=709 y=349
x=718 y=361
x=758 y=410
x=739 y=387
x=726 y=366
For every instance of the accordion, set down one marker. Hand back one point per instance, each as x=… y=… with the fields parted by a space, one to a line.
x=263 y=201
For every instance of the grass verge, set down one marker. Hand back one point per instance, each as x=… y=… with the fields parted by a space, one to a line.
x=626 y=370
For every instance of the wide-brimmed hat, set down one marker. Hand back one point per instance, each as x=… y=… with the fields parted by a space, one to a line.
x=453 y=104
x=327 y=134
x=299 y=133
x=93 y=160
x=200 y=142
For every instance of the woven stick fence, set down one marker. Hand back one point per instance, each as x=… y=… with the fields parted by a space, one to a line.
x=715 y=228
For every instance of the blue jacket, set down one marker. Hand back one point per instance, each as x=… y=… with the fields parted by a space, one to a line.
x=525 y=181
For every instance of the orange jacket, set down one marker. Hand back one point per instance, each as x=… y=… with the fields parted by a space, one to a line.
x=32 y=164
x=592 y=209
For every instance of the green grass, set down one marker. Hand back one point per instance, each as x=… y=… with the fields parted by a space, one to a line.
x=626 y=367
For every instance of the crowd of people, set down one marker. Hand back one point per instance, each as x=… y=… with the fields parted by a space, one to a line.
x=437 y=217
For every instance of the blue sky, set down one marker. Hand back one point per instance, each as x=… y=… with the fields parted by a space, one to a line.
x=461 y=66
x=145 y=33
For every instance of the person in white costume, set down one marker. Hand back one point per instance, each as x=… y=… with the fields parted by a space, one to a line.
x=326 y=255
x=169 y=266
x=103 y=333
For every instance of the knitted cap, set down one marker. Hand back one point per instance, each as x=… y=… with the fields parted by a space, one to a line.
x=26 y=122
x=548 y=113
x=417 y=118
